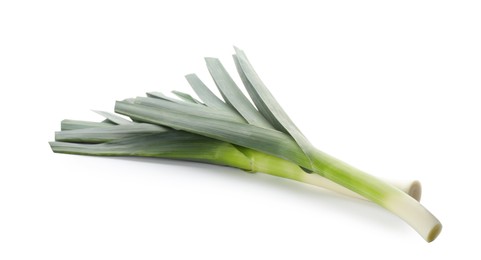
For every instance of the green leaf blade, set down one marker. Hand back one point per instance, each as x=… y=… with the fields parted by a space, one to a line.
x=107 y=133
x=114 y=118
x=233 y=95
x=267 y=104
x=205 y=94
x=186 y=97
x=200 y=111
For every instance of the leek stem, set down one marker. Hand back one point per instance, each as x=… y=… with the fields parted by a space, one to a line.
x=386 y=195
x=262 y=162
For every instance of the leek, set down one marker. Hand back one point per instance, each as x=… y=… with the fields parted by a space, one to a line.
x=236 y=133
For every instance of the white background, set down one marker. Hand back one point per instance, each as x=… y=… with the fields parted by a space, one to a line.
x=391 y=87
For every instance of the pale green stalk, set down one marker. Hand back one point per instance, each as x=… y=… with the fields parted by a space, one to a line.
x=262 y=162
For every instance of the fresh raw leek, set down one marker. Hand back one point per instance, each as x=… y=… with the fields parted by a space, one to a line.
x=257 y=137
